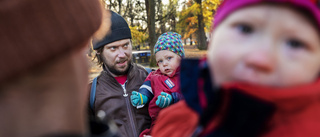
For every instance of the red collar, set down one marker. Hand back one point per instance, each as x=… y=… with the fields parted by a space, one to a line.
x=285 y=98
x=121 y=79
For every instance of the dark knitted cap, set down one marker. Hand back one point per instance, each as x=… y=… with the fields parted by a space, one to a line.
x=33 y=32
x=119 y=30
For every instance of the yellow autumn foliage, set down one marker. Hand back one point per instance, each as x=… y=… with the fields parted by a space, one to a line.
x=188 y=20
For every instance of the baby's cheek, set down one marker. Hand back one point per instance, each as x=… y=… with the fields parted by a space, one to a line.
x=309 y=73
x=221 y=64
x=162 y=70
x=178 y=64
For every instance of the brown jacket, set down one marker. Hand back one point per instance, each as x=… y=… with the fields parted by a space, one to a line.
x=115 y=101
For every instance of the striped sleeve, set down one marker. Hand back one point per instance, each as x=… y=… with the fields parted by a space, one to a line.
x=146 y=89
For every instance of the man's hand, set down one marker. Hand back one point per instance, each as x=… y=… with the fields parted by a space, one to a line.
x=138 y=99
x=164 y=100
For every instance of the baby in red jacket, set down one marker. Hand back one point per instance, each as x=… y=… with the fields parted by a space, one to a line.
x=260 y=77
x=161 y=88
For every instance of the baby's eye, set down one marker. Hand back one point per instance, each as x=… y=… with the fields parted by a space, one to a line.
x=296 y=44
x=244 y=28
x=169 y=58
x=160 y=61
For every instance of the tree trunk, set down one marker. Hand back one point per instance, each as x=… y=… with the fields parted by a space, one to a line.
x=130 y=13
x=173 y=15
x=162 y=23
x=119 y=2
x=201 y=38
x=174 y=23
x=150 y=6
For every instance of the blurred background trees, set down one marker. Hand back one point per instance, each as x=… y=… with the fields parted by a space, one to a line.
x=150 y=18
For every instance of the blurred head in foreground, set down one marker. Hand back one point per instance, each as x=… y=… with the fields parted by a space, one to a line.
x=266 y=42
x=44 y=72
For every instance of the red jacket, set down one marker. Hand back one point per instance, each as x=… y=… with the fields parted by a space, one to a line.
x=154 y=84
x=237 y=109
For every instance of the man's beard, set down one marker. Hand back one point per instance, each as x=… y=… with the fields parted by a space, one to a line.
x=114 y=71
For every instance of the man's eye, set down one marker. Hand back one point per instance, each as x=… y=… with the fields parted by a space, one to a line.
x=296 y=44
x=245 y=28
x=126 y=45
x=112 y=48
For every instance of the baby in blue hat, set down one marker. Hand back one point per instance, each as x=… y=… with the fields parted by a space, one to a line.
x=161 y=88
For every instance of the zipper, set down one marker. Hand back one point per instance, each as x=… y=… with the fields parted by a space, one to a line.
x=125 y=95
x=124 y=89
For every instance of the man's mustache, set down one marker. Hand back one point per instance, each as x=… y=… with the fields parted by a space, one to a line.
x=122 y=60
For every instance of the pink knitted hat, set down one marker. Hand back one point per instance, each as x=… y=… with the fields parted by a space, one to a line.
x=229 y=6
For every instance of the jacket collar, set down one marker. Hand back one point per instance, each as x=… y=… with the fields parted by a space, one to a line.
x=195 y=76
x=286 y=99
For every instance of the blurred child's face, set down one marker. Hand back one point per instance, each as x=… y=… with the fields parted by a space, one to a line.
x=265 y=45
x=167 y=61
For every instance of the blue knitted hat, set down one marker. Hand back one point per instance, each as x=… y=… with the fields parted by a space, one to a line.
x=170 y=41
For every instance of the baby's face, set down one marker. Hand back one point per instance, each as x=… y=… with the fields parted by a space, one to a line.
x=265 y=45
x=167 y=61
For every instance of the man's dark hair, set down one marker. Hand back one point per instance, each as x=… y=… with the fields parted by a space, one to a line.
x=99 y=56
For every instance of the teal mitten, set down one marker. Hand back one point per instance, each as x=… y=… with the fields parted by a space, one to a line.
x=138 y=99
x=164 y=100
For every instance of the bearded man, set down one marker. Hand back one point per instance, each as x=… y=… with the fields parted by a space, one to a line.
x=120 y=76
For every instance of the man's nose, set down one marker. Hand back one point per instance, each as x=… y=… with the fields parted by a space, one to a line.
x=121 y=53
x=262 y=60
